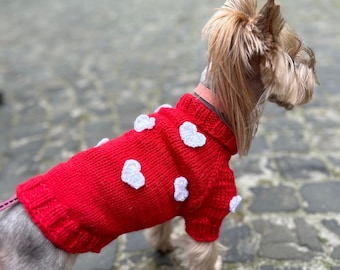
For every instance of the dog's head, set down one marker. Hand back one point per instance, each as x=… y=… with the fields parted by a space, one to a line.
x=254 y=57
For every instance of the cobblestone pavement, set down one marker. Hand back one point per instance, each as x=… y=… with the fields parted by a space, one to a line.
x=75 y=71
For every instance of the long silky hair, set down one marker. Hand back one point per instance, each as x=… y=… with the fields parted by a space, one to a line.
x=244 y=46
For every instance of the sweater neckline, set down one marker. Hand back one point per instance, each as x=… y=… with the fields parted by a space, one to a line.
x=207 y=120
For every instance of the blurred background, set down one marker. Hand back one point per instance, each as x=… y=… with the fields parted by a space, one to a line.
x=75 y=71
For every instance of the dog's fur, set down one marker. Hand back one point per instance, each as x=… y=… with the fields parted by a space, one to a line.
x=253 y=57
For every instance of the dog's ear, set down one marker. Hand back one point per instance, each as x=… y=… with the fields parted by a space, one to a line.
x=269 y=20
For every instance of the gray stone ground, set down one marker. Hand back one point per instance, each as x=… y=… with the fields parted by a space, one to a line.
x=74 y=71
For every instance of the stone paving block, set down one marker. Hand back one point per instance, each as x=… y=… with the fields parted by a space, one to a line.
x=282 y=125
x=259 y=145
x=279 y=242
x=57 y=93
x=321 y=197
x=98 y=109
x=272 y=233
x=274 y=199
x=302 y=168
x=326 y=141
x=283 y=251
x=240 y=243
x=240 y=167
x=32 y=111
x=17 y=170
x=336 y=253
x=97 y=130
x=307 y=235
x=332 y=225
x=27 y=147
x=5 y=123
x=323 y=119
x=136 y=242
x=171 y=96
x=252 y=166
x=64 y=118
x=2 y=98
x=50 y=157
x=25 y=130
x=290 y=142
x=335 y=163
x=128 y=112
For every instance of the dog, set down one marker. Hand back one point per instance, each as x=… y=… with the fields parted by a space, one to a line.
x=174 y=162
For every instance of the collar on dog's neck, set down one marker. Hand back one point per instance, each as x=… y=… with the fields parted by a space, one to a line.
x=207 y=97
x=8 y=203
x=205 y=93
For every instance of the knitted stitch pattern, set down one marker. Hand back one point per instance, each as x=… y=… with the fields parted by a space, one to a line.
x=173 y=163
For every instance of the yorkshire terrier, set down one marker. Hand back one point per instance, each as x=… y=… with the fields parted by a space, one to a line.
x=174 y=162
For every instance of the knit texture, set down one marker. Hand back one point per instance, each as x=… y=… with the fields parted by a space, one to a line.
x=174 y=164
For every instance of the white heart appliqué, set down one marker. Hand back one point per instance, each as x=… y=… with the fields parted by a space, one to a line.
x=102 y=141
x=181 y=191
x=163 y=106
x=131 y=174
x=234 y=202
x=190 y=136
x=143 y=122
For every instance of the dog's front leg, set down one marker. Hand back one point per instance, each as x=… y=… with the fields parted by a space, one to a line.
x=23 y=246
x=159 y=237
x=202 y=256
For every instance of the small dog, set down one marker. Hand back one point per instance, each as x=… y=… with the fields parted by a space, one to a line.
x=174 y=162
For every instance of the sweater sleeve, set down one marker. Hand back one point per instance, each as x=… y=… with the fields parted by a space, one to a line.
x=203 y=225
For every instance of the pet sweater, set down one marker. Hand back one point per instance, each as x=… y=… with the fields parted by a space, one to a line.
x=173 y=163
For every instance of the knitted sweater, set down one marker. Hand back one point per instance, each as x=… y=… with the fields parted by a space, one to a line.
x=173 y=163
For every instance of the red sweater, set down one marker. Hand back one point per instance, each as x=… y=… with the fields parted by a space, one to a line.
x=160 y=169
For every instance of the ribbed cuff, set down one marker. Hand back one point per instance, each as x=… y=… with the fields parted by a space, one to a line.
x=53 y=219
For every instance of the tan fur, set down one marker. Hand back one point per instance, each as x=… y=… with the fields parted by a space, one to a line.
x=71 y=260
x=201 y=256
x=195 y=255
x=159 y=236
x=240 y=41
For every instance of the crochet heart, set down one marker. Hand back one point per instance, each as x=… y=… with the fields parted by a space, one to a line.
x=131 y=174
x=234 y=202
x=143 y=122
x=102 y=141
x=190 y=136
x=181 y=191
x=162 y=106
